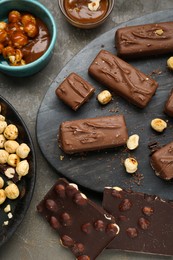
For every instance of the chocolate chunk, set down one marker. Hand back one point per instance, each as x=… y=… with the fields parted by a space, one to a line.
x=146 y=227
x=74 y=91
x=169 y=105
x=144 y=40
x=85 y=228
x=122 y=78
x=92 y=134
x=162 y=162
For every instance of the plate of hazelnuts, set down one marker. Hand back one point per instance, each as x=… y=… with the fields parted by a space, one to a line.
x=17 y=169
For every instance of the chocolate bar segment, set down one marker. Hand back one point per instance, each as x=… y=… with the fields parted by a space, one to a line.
x=92 y=134
x=123 y=79
x=144 y=221
x=144 y=40
x=83 y=226
x=74 y=91
x=162 y=162
x=169 y=105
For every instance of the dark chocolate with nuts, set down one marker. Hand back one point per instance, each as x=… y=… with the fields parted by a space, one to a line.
x=144 y=40
x=74 y=91
x=92 y=134
x=145 y=221
x=162 y=162
x=84 y=227
x=122 y=78
x=169 y=105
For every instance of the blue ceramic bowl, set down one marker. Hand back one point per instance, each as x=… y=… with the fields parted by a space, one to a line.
x=39 y=10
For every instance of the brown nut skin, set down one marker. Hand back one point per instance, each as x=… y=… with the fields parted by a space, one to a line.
x=14 y=17
x=31 y=29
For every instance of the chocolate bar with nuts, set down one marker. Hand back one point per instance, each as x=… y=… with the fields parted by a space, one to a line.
x=83 y=226
x=169 y=105
x=92 y=134
x=122 y=78
x=145 y=221
x=162 y=162
x=74 y=91
x=144 y=40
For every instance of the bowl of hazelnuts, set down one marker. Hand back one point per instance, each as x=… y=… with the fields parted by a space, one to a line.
x=27 y=37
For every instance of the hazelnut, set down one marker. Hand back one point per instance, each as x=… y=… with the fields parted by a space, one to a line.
x=2 y=140
x=3 y=25
x=2 y=196
x=94 y=5
x=133 y=142
x=8 y=52
x=11 y=132
x=14 y=16
x=1 y=183
x=9 y=172
x=11 y=146
x=13 y=159
x=10 y=215
x=3 y=156
x=131 y=165
x=104 y=97
x=12 y=191
x=31 y=29
x=2 y=118
x=3 y=125
x=158 y=124
x=3 y=36
x=28 y=18
x=159 y=32
x=170 y=63
x=7 y=208
x=19 y=39
x=23 y=150
x=22 y=168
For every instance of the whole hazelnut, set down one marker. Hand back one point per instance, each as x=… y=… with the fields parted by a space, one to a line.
x=12 y=191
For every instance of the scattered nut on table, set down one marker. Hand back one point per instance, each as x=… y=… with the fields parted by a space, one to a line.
x=104 y=97
x=170 y=63
x=158 y=124
x=133 y=142
x=131 y=165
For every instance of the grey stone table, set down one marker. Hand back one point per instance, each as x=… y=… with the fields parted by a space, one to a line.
x=34 y=239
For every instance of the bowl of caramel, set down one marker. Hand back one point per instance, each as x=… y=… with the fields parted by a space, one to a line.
x=27 y=37
x=86 y=14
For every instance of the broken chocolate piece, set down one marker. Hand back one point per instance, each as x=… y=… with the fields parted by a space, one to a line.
x=144 y=40
x=144 y=227
x=84 y=227
x=162 y=162
x=92 y=134
x=74 y=91
x=122 y=78
x=169 y=105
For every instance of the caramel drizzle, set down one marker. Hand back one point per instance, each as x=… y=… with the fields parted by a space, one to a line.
x=131 y=85
x=75 y=89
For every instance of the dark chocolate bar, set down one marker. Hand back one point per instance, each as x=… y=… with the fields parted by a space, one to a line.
x=92 y=134
x=74 y=91
x=169 y=105
x=144 y=40
x=83 y=226
x=145 y=221
x=162 y=162
x=123 y=79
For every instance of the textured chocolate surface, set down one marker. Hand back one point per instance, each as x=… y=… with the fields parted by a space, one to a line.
x=93 y=134
x=124 y=79
x=83 y=226
x=169 y=105
x=74 y=91
x=162 y=162
x=145 y=221
x=144 y=40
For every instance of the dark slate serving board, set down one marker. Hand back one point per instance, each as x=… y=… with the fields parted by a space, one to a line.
x=95 y=170
x=26 y=185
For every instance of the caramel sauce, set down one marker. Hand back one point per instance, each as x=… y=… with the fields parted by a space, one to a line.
x=37 y=46
x=78 y=10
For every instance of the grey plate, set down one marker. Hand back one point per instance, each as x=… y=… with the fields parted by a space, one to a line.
x=95 y=170
x=26 y=185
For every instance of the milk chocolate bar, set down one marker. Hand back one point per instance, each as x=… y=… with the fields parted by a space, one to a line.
x=145 y=221
x=92 y=134
x=162 y=162
x=169 y=105
x=83 y=226
x=144 y=40
x=123 y=79
x=74 y=91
